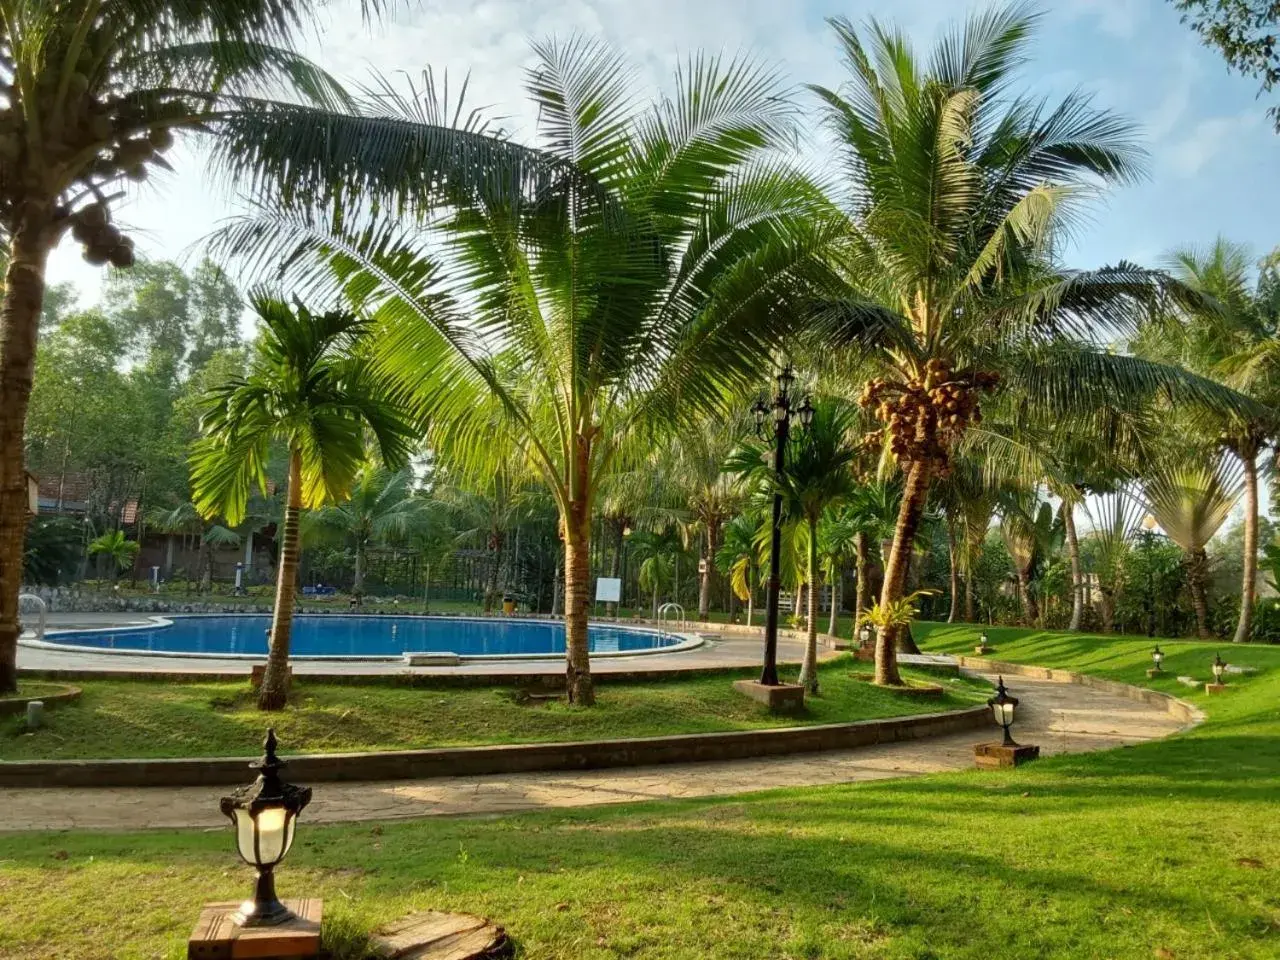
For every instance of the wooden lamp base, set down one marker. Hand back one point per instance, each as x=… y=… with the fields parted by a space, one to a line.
x=216 y=936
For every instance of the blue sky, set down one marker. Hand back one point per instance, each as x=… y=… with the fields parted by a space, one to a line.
x=1214 y=155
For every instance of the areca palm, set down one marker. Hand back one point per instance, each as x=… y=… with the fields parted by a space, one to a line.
x=309 y=387
x=737 y=558
x=1190 y=499
x=616 y=278
x=383 y=508
x=94 y=92
x=956 y=190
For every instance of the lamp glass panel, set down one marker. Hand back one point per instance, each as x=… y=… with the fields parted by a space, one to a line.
x=780 y=412
x=998 y=711
x=244 y=834
x=272 y=834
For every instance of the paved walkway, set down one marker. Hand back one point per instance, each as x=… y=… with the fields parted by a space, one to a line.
x=1060 y=717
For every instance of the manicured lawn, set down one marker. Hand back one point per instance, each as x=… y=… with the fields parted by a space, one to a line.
x=1166 y=850
x=158 y=719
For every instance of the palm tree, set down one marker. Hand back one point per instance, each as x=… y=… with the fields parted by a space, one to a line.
x=957 y=189
x=817 y=475
x=737 y=558
x=1238 y=343
x=119 y=550
x=94 y=93
x=310 y=388
x=1116 y=518
x=837 y=544
x=185 y=519
x=1030 y=533
x=622 y=277
x=383 y=508
x=873 y=509
x=1190 y=498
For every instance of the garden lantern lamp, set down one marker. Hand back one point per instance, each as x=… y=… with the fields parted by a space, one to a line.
x=1002 y=706
x=264 y=815
x=865 y=634
x=982 y=639
x=1219 y=667
x=1157 y=656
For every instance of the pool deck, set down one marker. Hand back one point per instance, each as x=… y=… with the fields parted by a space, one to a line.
x=719 y=651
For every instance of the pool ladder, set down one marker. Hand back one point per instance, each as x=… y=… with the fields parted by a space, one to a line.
x=663 y=611
x=41 y=607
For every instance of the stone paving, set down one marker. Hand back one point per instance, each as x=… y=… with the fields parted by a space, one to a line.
x=1060 y=717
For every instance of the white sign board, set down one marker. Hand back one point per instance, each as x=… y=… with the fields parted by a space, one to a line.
x=608 y=590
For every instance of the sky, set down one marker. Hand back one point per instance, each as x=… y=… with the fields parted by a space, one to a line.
x=1214 y=155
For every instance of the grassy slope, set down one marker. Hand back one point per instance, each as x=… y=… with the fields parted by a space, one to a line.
x=154 y=719
x=1166 y=850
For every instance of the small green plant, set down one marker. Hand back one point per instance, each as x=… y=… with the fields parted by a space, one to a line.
x=899 y=613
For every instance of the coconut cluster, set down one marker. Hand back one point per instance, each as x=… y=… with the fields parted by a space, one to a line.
x=100 y=137
x=925 y=416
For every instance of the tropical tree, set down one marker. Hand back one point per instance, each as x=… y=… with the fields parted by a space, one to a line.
x=1190 y=498
x=1030 y=533
x=94 y=93
x=185 y=519
x=1116 y=519
x=383 y=508
x=54 y=545
x=956 y=190
x=1237 y=342
x=837 y=545
x=119 y=550
x=656 y=552
x=620 y=278
x=737 y=558
x=310 y=388
x=872 y=508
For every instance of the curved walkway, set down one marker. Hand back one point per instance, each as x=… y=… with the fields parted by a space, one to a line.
x=1061 y=717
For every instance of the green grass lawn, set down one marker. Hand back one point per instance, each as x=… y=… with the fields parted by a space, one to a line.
x=134 y=718
x=1166 y=850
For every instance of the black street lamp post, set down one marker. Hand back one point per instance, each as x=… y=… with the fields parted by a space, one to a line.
x=782 y=411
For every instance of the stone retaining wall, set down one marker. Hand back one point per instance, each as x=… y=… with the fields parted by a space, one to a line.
x=513 y=758
x=12 y=705
x=1186 y=712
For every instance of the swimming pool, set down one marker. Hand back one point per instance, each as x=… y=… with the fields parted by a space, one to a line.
x=362 y=637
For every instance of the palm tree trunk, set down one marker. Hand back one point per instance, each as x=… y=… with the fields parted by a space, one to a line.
x=860 y=590
x=577 y=551
x=275 y=680
x=19 y=320
x=751 y=593
x=1106 y=600
x=655 y=598
x=835 y=603
x=1077 y=578
x=615 y=562
x=1249 y=581
x=1197 y=577
x=970 y=611
x=357 y=577
x=914 y=495
x=709 y=571
x=1030 y=607
x=206 y=567
x=954 y=613
x=809 y=668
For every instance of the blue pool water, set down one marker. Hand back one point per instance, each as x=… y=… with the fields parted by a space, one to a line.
x=357 y=636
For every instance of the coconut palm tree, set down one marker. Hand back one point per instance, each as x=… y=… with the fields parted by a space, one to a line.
x=956 y=189
x=94 y=93
x=873 y=508
x=383 y=508
x=1191 y=497
x=837 y=545
x=309 y=387
x=624 y=275
x=1238 y=343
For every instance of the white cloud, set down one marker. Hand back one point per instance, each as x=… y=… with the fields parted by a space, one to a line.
x=1117 y=18
x=1191 y=154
